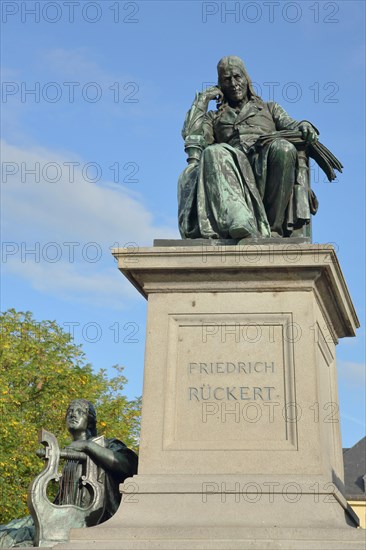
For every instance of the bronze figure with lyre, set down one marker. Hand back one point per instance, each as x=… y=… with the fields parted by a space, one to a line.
x=88 y=491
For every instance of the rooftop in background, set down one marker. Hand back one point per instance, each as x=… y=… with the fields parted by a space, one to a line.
x=355 y=471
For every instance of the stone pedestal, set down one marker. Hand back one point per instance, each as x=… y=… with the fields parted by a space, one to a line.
x=240 y=438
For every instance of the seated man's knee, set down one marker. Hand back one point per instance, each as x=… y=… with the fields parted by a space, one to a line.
x=283 y=148
x=211 y=151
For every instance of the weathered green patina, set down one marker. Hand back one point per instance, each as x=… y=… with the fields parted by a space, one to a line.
x=247 y=170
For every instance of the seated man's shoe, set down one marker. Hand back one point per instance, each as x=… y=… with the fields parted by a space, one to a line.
x=238 y=232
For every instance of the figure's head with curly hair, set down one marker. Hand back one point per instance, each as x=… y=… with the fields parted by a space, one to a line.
x=81 y=415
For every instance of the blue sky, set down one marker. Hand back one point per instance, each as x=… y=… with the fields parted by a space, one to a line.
x=111 y=84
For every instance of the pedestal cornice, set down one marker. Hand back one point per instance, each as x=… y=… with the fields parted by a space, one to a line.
x=249 y=268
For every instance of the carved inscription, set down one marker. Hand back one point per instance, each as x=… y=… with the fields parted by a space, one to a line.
x=229 y=368
x=208 y=392
x=225 y=393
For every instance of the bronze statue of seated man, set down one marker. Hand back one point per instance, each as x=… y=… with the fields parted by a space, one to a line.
x=236 y=186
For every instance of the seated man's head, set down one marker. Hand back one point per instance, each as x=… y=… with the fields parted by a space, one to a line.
x=81 y=418
x=233 y=79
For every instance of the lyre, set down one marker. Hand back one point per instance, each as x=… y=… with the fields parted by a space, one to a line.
x=54 y=521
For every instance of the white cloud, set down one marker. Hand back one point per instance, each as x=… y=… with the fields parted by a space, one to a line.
x=75 y=208
x=75 y=282
x=37 y=213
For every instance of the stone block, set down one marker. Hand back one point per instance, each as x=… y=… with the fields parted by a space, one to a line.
x=240 y=439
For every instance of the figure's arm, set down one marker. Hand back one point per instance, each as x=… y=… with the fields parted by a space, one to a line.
x=283 y=121
x=198 y=129
x=106 y=458
x=195 y=120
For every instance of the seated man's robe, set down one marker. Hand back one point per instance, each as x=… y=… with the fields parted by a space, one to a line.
x=237 y=183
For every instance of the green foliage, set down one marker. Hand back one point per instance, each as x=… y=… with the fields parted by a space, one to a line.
x=42 y=370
